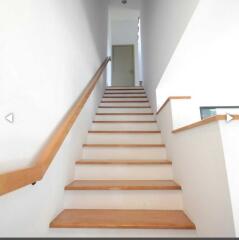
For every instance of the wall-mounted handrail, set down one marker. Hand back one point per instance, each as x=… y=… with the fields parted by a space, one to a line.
x=14 y=180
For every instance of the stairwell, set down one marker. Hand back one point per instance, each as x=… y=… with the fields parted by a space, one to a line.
x=124 y=179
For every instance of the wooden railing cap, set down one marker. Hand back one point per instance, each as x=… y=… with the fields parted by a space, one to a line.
x=172 y=98
x=205 y=122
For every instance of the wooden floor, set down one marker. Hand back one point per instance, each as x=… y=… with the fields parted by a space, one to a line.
x=147 y=219
x=123 y=185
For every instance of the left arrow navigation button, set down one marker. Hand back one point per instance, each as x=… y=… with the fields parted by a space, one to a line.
x=10 y=118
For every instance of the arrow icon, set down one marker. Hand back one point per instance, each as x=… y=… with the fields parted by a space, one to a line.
x=10 y=118
x=229 y=118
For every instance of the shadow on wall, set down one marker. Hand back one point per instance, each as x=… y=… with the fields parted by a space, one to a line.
x=95 y=31
x=163 y=24
x=99 y=36
x=90 y=39
x=163 y=92
x=89 y=55
x=87 y=50
x=205 y=63
x=89 y=16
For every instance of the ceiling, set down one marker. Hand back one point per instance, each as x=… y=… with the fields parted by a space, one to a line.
x=119 y=11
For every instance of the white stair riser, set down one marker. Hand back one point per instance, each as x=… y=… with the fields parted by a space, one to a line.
x=124 y=118
x=124 y=199
x=125 y=91
x=125 y=88
x=119 y=153
x=124 y=99
x=124 y=95
x=124 y=110
x=124 y=126
x=119 y=138
x=125 y=104
x=121 y=233
x=123 y=172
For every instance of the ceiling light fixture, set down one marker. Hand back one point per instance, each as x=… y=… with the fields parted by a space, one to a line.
x=124 y=1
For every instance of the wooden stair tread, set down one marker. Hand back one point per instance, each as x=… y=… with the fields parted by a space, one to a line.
x=124 y=96
x=122 y=114
x=125 y=132
x=124 y=121
x=125 y=145
x=124 y=89
x=125 y=86
x=127 y=162
x=124 y=107
x=120 y=92
x=136 y=219
x=123 y=185
x=143 y=101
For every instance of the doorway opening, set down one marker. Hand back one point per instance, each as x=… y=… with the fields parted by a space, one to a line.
x=123 y=72
x=124 y=44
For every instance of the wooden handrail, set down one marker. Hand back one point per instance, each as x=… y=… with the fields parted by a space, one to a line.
x=172 y=98
x=19 y=178
x=204 y=122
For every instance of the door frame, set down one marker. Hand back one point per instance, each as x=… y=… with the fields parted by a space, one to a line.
x=123 y=45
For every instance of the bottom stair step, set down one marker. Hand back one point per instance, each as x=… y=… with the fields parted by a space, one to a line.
x=144 y=219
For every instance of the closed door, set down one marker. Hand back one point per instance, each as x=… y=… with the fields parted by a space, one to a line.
x=123 y=65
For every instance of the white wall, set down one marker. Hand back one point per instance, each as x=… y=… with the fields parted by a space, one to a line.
x=205 y=61
x=230 y=140
x=191 y=48
x=124 y=29
x=109 y=50
x=201 y=161
x=49 y=50
x=124 y=32
x=163 y=23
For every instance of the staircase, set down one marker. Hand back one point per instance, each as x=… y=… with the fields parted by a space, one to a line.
x=124 y=179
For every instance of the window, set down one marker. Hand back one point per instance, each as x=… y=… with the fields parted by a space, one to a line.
x=207 y=112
